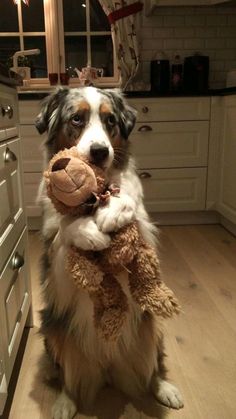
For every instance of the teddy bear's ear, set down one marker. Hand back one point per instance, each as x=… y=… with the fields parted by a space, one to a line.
x=126 y=114
x=50 y=110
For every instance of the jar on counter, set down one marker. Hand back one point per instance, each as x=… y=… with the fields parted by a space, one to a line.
x=177 y=75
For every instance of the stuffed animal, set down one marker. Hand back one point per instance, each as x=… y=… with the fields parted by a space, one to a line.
x=77 y=187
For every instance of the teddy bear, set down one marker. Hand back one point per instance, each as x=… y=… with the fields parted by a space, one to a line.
x=77 y=187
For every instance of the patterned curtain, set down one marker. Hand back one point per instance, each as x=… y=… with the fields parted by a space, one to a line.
x=122 y=15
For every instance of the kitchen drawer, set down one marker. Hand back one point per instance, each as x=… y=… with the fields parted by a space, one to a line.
x=172 y=109
x=31 y=185
x=31 y=152
x=14 y=300
x=174 y=189
x=170 y=144
x=8 y=110
x=12 y=218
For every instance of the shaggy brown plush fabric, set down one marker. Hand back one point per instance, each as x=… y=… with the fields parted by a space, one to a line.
x=70 y=175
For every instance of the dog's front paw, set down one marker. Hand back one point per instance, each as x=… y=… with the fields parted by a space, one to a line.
x=118 y=213
x=64 y=407
x=84 y=234
x=167 y=394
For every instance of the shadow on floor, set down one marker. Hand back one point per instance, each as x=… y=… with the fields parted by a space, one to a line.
x=110 y=403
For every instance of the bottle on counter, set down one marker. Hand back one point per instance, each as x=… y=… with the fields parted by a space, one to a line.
x=177 y=75
x=160 y=73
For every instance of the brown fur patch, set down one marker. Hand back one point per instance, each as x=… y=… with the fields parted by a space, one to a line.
x=105 y=108
x=83 y=106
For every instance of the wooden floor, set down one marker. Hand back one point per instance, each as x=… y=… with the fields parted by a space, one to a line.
x=199 y=264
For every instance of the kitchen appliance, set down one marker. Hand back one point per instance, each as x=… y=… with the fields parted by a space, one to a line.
x=196 y=73
x=160 y=74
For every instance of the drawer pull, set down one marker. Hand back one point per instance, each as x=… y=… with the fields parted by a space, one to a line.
x=145 y=175
x=17 y=261
x=7 y=111
x=145 y=109
x=145 y=128
x=9 y=156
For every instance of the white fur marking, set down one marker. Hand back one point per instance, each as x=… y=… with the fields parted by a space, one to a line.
x=64 y=407
x=167 y=394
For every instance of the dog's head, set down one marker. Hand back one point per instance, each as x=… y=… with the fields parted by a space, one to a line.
x=98 y=122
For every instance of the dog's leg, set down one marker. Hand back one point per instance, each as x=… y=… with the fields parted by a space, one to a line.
x=166 y=393
x=64 y=407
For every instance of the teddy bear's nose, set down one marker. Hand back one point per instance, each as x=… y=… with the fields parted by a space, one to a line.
x=99 y=153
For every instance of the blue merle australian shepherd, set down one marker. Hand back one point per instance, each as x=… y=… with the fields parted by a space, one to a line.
x=98 y=122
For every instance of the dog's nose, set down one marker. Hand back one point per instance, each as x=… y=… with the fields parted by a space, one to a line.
x=99 y=153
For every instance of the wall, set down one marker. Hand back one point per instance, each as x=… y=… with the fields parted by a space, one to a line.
x=184 y=30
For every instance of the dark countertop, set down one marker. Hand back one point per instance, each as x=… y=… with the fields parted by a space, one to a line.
x=34 y=95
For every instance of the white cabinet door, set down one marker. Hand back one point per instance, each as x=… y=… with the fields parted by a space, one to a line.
x=174 y=189
x=170 y=144
x=12 y=217
x=15 y=299
x=3 y=381
x=227 y=187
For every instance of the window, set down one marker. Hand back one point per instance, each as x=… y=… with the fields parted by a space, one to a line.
x=69 y=33
x=23 y=28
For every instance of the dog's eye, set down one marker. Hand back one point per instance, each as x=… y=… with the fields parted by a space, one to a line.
x=77 y=120
x=111 y=120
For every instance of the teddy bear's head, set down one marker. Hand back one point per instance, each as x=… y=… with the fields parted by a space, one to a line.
x=73 y=184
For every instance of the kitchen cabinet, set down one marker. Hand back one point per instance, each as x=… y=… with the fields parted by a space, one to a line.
x=15 y=289
x=170 y=143
x=32 y=156
x=227 y=168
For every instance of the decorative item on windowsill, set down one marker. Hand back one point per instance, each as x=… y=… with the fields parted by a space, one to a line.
x=88 y=75
x=24 y=68
x=24 y=1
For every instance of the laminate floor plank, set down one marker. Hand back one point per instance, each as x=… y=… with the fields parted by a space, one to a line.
x=198 y=264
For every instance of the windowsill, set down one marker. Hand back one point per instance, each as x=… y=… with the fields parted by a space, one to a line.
x=43 y=86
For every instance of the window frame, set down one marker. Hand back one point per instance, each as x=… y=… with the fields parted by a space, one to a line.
x=55 y=48
x=102 y=81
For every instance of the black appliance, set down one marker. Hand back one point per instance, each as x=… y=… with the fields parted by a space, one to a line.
x=196 y=73
x=160 y=76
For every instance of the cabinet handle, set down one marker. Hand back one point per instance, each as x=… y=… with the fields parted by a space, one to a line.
x=7 y=111
x=145 y=175
x=9 y=156
x=145 y=128
x=17 y=261
x=145 y=109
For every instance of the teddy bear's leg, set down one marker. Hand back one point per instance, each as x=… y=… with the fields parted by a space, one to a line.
x=146 y=285
x=110 y=308
x=84 y=269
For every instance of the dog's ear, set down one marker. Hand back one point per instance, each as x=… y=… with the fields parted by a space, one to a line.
x=126 y=114
x=47 y=115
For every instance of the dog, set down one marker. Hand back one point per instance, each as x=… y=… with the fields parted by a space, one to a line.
x=98 y=122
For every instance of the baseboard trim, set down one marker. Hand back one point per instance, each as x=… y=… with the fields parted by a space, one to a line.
x=231 y=227
x=34 y=223
x=185 y=218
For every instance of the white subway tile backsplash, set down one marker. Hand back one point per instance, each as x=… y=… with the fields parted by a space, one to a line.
x=163 y=32
x=173 y=44
x=231 y=43
x=173 y=21
x=220 y=20
x=185 y=30
x=195 y=44
x=153 y=44
x=195 y=20
x=215 y=43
